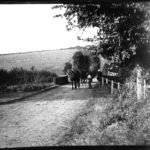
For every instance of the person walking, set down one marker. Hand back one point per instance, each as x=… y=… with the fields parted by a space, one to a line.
x=89 y=77
x=99 y=76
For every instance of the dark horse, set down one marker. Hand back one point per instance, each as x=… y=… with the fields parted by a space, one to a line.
x=83 y=77
x=74 y=76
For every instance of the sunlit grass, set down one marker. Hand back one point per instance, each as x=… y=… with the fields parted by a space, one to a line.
x=112 y=121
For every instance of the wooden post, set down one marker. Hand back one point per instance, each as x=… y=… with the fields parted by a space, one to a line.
x=139 y=83
x=102 y=81
x=106 y=81
x=112 y=86
x=144 y=89
x=118 y=86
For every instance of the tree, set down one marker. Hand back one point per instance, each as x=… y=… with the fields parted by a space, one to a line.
x=67 y=67
x=81 y=62
x=95 y=65
x=123 y=28
x=86 y=63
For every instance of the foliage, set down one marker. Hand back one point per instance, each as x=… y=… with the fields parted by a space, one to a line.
x=105 y=69
x=30 y=87
x=123 y=28
x=94 y=65
x=84 y=63
x=77 y=60
x=22 y=76
x=125 y=108
x=3 y=76
x=81 y=62
x=125 y=72
x=67 y=67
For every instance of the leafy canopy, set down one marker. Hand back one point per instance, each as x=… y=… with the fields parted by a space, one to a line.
x=67 y=67
x=123 y=28
x=81 y=62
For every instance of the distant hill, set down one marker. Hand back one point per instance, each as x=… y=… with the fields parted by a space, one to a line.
x=51 y=60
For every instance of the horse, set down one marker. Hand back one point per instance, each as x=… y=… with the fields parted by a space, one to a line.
x=83 y=77
x=74 y=77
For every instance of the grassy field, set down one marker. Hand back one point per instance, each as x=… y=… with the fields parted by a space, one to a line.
x=51 y=60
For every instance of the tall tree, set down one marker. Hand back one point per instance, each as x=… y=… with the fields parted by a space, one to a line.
x=123 y=28
x=81 y=62
x=67 y=67
x=94 y=65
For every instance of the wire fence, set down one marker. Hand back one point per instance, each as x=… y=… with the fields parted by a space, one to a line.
x=105 y=80
x=117 y=85
x=146 y=87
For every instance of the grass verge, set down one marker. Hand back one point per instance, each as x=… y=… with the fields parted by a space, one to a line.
x=118 y=120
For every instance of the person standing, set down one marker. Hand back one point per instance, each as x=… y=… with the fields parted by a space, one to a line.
x=89 y=77
x=99 y=76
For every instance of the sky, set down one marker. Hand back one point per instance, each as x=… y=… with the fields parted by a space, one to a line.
x=31 y=27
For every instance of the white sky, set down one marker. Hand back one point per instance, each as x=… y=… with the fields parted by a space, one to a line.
x=31 y=27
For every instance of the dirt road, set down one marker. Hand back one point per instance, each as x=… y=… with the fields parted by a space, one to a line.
x=43 y=119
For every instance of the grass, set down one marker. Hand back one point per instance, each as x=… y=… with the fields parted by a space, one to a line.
x=18 y=91
x=85 y=128
x=40 y=60
x=117 y=120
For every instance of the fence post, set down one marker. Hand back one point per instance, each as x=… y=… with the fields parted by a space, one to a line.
x=106 y=81
x=102 y=81
x=139 y=83
x=144 y=90
x=118 y=86
x=112 y=86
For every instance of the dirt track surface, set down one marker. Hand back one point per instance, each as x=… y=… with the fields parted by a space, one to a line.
x=43 y=119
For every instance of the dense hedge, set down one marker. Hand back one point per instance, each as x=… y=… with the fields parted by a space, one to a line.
x=22 y=76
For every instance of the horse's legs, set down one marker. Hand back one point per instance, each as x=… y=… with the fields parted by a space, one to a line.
x=75 y=84
x=81 y=82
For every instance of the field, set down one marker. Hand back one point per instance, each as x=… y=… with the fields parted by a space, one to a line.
x=51 y=60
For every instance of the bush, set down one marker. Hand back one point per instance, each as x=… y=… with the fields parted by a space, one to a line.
x=31 y=88
x=4 y=89
x=125 y=108
x=3 y=77
x=13 y=88
x=22 y=76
